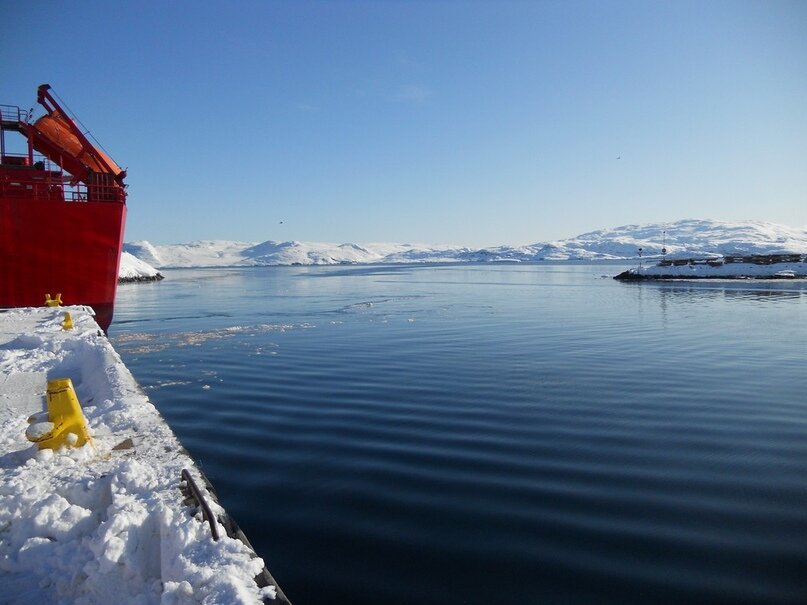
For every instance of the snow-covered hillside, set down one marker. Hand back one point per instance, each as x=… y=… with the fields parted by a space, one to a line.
x=134 y=269
x=686 y=237
x=693 y=238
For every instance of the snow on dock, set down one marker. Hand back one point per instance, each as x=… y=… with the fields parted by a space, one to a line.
x=758 y=266
x=106 y=522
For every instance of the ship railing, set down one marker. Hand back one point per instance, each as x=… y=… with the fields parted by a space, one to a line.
x=50 y=182
x=12 y=113
x=95 y=193
x=76 y=193
x=21 y=159
x=54 y=189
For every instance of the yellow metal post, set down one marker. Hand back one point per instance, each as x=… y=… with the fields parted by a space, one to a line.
x=65 y=424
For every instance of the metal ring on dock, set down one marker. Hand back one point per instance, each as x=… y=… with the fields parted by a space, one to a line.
x=206 y=512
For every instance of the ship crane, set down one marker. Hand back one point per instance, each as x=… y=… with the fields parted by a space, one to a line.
x=58 y=138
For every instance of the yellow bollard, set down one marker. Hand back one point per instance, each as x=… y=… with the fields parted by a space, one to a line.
x=53 y=302
x=67 y=324
x=63 y=424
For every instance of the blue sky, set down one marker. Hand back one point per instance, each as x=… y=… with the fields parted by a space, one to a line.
x=476 y=123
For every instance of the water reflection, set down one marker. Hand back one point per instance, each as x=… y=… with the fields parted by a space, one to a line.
x=699 y=292
x=561 y=436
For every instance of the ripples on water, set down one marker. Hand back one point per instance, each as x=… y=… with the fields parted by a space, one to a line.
x=491 y=434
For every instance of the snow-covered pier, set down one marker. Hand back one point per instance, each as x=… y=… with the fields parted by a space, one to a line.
x=108 y=522
x=755 y=266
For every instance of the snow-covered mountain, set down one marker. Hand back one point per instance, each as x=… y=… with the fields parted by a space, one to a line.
x=692 y=238
x=681 y=238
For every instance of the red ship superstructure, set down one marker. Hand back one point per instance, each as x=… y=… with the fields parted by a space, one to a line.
x=62 y=212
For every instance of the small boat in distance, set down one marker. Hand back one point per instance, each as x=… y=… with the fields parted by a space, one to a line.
x=62 y=212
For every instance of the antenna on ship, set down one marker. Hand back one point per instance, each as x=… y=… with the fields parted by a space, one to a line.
x=664 y=243
x=640 y=257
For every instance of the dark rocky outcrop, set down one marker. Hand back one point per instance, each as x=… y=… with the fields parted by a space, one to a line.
x=140 y=278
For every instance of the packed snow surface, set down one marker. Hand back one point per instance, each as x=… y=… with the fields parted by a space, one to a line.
x=681 y=238
x=100 y=524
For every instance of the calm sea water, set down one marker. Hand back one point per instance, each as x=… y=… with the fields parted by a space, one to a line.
x=491 y=433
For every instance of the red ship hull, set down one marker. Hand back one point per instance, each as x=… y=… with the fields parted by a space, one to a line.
x=62 y=212
x=52 y=247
